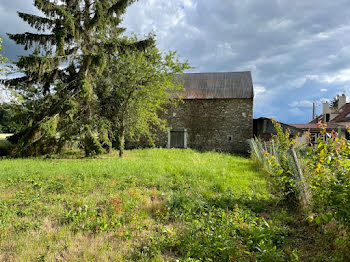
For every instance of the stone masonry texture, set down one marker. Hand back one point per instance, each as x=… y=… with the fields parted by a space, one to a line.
x=211 y=122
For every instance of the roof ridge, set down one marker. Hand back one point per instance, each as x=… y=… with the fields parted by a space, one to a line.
x=216 y=73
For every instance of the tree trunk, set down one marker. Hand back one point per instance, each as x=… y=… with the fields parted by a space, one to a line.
x=121 y=146
x=121 y=143
x=108 y=149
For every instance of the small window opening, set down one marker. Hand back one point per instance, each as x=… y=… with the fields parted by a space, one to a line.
x=229 y=138
x=327 y=117
x=347 y=135
x=313 y=138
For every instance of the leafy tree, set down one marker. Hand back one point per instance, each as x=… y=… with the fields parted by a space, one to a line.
x=135 y=88
x=58 y=101
x=334 y=102
x=5 y=125
x=2 y=121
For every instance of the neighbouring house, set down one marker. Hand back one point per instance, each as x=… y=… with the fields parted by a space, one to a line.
x=217 y=113
x=264 y=128
x=336 y=116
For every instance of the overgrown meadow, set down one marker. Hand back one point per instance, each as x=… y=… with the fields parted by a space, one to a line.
x=153 y=205
x=315 y=179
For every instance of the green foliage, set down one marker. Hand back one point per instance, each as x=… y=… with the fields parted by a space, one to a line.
x=221 y=235
x=87 y=89
x=5 y=126
x=280 y=163
x=287 y=177
x=91 y=143
x=134 y=88
x=334 y=103
x=49 y=127
x=87 y=219
x=5 y=146
x=329 y=178
x=3 y=68
x=326 y=169
x=77 y=45
x=2 y=59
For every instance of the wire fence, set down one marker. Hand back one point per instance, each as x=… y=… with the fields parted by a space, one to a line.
x=262 y=151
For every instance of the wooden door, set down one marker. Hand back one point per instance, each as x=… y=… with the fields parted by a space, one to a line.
x=177 y=139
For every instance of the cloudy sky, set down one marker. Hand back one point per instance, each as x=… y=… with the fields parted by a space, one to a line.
x=298 y=51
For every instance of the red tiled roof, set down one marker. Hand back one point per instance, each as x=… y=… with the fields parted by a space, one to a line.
x=344 y=114
x=317 y=119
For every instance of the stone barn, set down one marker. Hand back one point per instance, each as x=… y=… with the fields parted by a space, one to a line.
x=217 y=113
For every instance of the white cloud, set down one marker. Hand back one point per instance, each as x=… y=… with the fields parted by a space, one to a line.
x=303 y=103
x=296 y=112
x=299 y=55
x=277 y=24
x=259 y=90
x=340 y=76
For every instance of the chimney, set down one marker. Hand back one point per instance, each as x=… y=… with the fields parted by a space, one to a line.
x=313 y=111
x=325 y=108
x=341 y=100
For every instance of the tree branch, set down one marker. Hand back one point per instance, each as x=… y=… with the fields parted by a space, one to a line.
x=29 y=39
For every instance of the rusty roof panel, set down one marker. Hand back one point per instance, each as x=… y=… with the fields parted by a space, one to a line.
x=217 y=85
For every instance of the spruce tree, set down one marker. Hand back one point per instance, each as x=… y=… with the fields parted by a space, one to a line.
x=57 y=90
x=2 y=59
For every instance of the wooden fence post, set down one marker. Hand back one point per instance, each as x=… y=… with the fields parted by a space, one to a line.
x=300 y=178
x=256 y=152
x=265 y=146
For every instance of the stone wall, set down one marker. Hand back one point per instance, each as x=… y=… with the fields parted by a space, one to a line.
x=211 y=122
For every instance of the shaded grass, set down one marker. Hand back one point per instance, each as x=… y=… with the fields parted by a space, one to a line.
x=5 y=146
x=154 y=204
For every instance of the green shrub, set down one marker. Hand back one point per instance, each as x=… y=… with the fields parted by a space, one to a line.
x=217 y=234
x=88 y=219
x=221 y=235
x=326 y=169
x=329 y=178
x=280 y=163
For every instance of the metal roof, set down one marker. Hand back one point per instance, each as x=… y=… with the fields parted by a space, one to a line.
x=217 y=85
x=312 y=126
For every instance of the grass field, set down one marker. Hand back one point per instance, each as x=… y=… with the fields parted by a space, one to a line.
x=153 y=205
